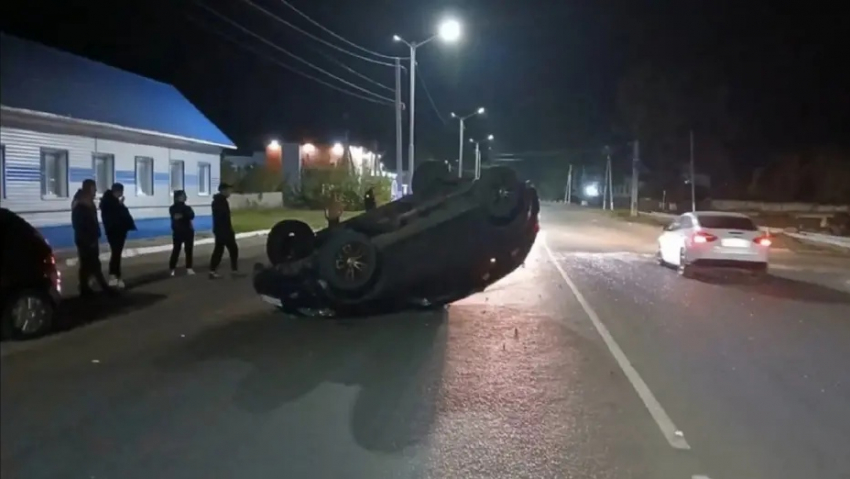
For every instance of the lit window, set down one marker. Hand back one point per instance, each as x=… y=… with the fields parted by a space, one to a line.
x=204 y=179
x=104 y=171
x=144 y=176
x=54 y=173
x=176 y=174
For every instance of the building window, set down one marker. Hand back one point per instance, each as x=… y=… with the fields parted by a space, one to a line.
x=144 y=176
x=104 y=171
x=2 y=171
x=54 y=173
x=204 y=179
x=176 y=175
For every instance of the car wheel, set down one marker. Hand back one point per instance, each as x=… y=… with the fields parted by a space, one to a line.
x=290 y=240
x=348 y=262
x=429 y=177
x=498 y=191
x=660 y=258
x=28 y=315
x=685 y=269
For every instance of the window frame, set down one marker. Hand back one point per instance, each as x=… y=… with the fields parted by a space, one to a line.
x=137 y=161
x=42 y=153
x=111 y=157
x=2 y=171
x=182 y=164
x=201 y=166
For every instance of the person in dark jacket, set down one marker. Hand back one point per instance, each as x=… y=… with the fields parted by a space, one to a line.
x=182 y=231
x=369 y=202
x=87 y=237
x=117 y=223
x=225 y=237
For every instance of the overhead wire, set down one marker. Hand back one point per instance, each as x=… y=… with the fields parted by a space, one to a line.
x=337 y=36
x=287 y=52
x=431 y=100
x=317 y=38
x=284 y=65
x=353 y=71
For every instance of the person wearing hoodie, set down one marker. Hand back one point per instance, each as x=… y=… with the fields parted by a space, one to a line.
x=117 y=223
x=87 y=238
x=225 y=236
x=182 y=231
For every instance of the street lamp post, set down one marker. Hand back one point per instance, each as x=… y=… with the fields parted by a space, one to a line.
x=461 y=129
x=449 y=31
x=477 y=144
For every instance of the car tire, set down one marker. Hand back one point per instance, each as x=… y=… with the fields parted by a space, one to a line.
x=429 y=178
x=348 y=262
x=660 y=258
x=685 y=269
x=290 y=240
x=39 y=304
x=498 y=192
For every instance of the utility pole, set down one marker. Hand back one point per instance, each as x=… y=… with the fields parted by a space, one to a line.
x=606 y=186
x=460 y=148
x=399 y=161
x=610 y=184
x=477 y=158
x=635 y=182
x=568 y=196
x=693 y=177
x=412 y=106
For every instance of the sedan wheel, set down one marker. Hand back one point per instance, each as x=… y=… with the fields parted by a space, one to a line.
x=684 y=269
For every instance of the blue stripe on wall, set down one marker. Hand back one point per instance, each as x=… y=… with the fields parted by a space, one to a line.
x=161 y=177
x=22 y=173
x=63 y=236
x=190 y=180
x=125 y=177
x=77 y=175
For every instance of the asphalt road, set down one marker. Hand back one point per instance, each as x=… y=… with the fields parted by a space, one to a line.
x=642 y=374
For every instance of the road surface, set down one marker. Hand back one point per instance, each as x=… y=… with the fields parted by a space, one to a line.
x=589 y=362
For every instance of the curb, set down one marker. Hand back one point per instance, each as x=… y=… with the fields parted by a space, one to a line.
x=133 y=252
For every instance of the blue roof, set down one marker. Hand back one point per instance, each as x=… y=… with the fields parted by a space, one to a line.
x=40 y=78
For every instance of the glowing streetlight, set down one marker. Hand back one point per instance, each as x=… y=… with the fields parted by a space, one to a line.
x=461 y=128
x=337 y=149
x=274 y=145
x=478 y=154
x=308 y=148
x=449 y=30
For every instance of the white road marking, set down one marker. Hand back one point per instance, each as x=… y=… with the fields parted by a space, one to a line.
x=700 y=477
x=673 y=435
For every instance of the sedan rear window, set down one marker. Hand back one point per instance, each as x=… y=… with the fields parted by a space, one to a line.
x=727 y=222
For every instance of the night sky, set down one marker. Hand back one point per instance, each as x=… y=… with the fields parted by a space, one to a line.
x=547 y=71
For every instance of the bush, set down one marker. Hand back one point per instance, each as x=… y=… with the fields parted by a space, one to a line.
x=320 y=185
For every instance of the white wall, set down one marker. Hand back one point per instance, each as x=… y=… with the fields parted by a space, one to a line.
x=22 y=187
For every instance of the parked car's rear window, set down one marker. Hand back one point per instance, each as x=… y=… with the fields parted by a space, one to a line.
x=727 y=222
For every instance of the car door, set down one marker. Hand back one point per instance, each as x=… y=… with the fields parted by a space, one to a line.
x=667 y=240
x=685 y=230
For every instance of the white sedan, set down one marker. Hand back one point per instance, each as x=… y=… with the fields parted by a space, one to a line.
x=714 y=240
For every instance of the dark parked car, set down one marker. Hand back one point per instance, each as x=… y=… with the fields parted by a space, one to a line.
x=30 y=285
x=451 y=238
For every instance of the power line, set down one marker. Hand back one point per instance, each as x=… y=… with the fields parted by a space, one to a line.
x=431 y=100
x=353 y=71
x=283 y=65
x=318 y=39
x=339 y=37
x=287 y=52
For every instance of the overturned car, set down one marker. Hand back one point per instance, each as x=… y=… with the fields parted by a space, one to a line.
x=451 y=238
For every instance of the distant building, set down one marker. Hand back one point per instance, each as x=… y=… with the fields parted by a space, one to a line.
x=65 y=118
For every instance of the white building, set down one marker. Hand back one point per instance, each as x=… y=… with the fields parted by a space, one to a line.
x=64 y=119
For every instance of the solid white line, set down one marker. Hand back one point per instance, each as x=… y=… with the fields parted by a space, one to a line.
x=673 y=435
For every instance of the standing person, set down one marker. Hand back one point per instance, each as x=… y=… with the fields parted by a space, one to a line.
x=86 y=238
x=117 y=222
x=182 y=231
x=225 y=237
x=369 y=202
x=333 y=212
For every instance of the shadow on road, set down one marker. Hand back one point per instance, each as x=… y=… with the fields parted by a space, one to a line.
x=79 y=311
x=781 y=288
x=397 y=360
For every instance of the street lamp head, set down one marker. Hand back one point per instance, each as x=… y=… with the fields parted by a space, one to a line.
x=396 y=38
x=481 y=111
x=450 y=30
x=274 y=145
x=452 y=114
x=490 y=137
x=471 y=140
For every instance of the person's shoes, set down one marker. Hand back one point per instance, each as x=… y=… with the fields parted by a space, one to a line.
x=121 y=284
x=214 y=275
x=113 y=281
x=190 y=272
x=173 y=273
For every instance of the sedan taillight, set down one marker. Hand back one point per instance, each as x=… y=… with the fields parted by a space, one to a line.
x=763 y=241
x=703 y=237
